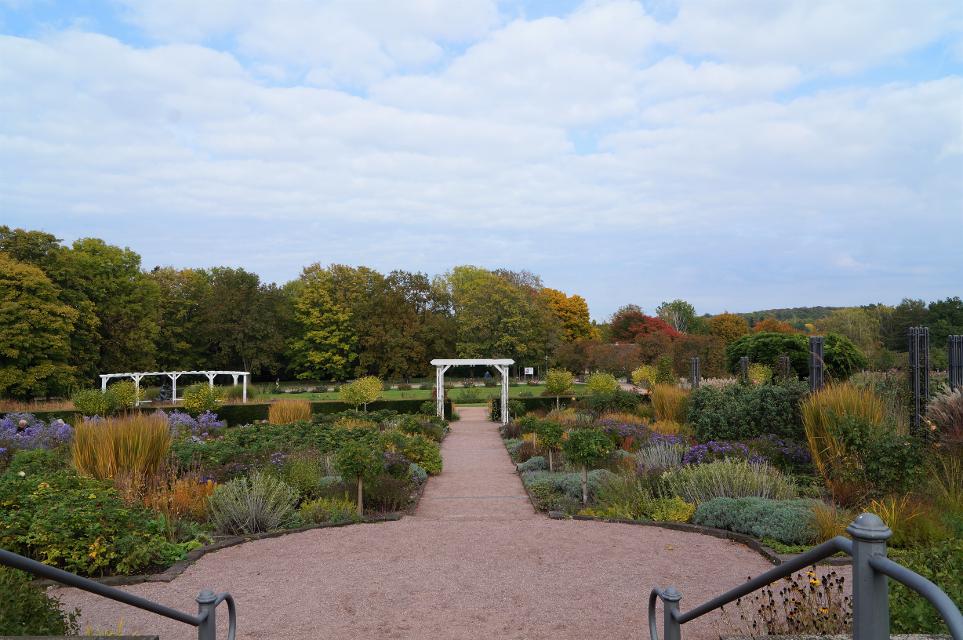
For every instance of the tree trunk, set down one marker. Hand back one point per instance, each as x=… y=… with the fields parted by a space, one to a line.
x=557 y=407
x=360 y=498
x=551 y=467
x=584 y=485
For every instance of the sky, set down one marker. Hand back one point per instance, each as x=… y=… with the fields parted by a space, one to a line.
x=741 y=155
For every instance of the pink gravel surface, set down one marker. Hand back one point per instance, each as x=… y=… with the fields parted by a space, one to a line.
x=475 y=561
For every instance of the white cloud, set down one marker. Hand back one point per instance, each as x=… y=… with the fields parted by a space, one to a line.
x=597 y=131
x=346 y=41
x=840 y=37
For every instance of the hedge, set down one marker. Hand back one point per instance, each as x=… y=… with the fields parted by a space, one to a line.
x=237 y=414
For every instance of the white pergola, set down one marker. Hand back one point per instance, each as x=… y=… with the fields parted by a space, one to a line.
x=442 y=365
x=174 y=375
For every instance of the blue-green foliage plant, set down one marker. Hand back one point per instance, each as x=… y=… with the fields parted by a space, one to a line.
x=536 y=463
x=788 y=521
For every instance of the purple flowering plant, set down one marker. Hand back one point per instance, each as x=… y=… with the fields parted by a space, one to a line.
x=719 y=450
x=26 y=431
x=183 y=424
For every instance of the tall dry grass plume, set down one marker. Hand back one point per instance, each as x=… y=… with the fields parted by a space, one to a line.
x=289 y=410
x=823 y=413
x=670 y=402
x=132 y=447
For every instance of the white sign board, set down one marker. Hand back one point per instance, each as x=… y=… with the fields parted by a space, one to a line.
x=529 y=371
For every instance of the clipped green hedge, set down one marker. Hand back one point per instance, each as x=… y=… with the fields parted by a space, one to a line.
x=237 y=414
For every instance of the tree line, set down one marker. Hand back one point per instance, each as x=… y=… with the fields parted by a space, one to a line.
x=68 y=313
x=71 y=312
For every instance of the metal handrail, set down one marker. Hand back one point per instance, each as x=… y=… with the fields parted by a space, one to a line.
x=925 y=588
x=207 y=601
x=871 y=567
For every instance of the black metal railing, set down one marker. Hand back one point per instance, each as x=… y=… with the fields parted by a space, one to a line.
x=207 y=601
x=871 y=569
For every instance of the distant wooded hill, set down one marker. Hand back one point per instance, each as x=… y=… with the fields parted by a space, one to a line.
x=796 y=316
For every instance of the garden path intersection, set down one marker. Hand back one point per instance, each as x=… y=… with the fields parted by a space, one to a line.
x=474 y=561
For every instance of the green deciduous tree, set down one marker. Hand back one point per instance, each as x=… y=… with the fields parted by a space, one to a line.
x=125 y=300
x=34 y=333
x=583 y=447
x=359 y=460
x=602 y=384
x=558 y=382
x=678 y=313
x=325 y=347
x=550 y=434
x=361 y=391
x=728 y=326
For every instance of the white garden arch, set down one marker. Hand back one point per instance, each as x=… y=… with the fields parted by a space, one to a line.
x=174 y=375
x=444 y=364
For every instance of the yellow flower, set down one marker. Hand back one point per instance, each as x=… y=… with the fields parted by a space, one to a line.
x=823 y=610
x=92 y=496
x=43 y=485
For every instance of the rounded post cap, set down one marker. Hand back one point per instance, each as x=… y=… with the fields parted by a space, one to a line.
x=670 y=594
x=870 y=527
x=206 y=596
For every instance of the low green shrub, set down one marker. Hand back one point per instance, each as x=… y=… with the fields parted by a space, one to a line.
x=303 y=473
x=741 y=412
x=38 y=461
x=942 y=564
x=254 y=504
x=546 y=497
x=201 y=397
x=730 y=478
x=93 y=402
x=333 y=510
x=28 y=611
x=788 y=521
x=388 y=494
x=535 y=463
x=569 y=484
x=623 y=496
x=425 y=452
x=80 y=524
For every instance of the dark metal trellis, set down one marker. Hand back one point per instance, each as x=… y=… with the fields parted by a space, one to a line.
x=695 y=372
x=956 y=362
x=817 y=366
x=784 y=367
x=919 y=368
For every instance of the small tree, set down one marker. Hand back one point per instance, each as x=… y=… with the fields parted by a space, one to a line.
x=645 y=376
x=602 y=384
x=558 y=382
x=584 y=447
x=362 y=391
x=358 y=460
x=201 y=397
x=550 y=433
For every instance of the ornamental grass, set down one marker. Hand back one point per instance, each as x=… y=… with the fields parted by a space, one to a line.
x=133 y=446
x=670 y=402
x=727 y=479
x=825 y=414
x=289 y=410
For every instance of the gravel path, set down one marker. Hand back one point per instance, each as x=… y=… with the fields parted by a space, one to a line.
x=475 y=561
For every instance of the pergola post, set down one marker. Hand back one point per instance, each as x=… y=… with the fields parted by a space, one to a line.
x=503 y=369
x=210 y=379
x=244 y=387
x=173 y=377
x=103 y=384
x=136 y=377
x=440 y=389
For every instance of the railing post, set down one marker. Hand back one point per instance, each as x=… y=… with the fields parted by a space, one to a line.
x=206 y=608
x=672 y=630
x=870 y=593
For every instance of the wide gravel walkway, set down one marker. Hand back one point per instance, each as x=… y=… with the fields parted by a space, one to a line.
x=474 y=562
